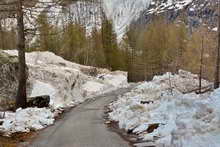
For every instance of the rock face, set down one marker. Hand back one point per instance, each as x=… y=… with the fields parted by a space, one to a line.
x=8 y=79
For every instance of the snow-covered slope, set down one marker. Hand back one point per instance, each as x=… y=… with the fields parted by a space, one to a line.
x=162 y=6
x=123 y=12
x=196 y=12
x=168 y=118
x=139 y=12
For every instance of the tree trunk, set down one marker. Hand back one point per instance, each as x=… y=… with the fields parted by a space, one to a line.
x=201 y=66
x=21 y=99
x=216 y=83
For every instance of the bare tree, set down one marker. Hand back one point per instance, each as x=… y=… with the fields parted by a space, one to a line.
x=21 y=98
x=217 y=68
x=201 y=65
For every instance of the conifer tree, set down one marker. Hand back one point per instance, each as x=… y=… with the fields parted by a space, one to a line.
x=110 y=46
x=49 y=36
x=74 y=43
x=97 y=48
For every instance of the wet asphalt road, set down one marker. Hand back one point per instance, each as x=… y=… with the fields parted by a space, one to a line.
x=83 y=126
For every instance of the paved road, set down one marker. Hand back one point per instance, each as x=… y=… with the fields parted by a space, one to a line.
x=83 y=127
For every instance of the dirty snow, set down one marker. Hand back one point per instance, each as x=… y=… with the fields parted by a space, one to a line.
x=25 y=120
x=185 y=120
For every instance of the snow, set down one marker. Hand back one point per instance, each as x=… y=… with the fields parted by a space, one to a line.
x=25 y=120
x=92 y=87
x=41 y=88
x=123 y=12
x=185 y=120
x=117 y=79
x=160 y=7
x=215 y=29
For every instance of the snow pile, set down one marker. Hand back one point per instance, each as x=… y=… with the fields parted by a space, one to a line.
x=116 y=79
x=25 y=120
x=41 y=88
x=166 y=116
x=52 y=75
x=65 y=82
x=106 y=82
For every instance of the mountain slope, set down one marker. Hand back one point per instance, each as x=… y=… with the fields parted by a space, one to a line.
x=122 y=12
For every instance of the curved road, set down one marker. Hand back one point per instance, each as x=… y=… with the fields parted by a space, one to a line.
x=83 y=126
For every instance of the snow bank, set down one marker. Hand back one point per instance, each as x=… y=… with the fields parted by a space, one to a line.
x=184 y=120
x=25 y=120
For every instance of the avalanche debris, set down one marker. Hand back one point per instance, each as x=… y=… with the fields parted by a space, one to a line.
x=171 y=118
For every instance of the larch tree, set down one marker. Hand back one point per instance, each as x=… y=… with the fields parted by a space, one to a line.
x=110 y=45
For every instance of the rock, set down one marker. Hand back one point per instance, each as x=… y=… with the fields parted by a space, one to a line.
x=147 y=102
x=7 y=104
x=8 y=80
x=8 y=75
x=39 y=101
x=90 y=71
x=152 y=127
x=130 y=131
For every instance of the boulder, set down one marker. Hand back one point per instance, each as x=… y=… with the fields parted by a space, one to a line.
x=8 y=75
x=39 y=101
x=8 y=80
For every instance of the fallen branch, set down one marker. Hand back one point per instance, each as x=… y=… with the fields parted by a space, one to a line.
x=196 y=90
x=203 y=90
